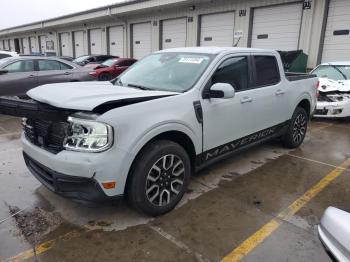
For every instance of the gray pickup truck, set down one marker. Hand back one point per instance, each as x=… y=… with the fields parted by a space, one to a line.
x=170 y=114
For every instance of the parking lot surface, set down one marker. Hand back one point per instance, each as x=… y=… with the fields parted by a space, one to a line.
x=261 y=205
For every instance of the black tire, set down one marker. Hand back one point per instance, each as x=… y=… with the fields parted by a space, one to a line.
x=145 y=175
x=297 y=128
x=104 y=77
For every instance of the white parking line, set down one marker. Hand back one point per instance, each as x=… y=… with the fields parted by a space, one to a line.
x=315 y=161
x=179 y=244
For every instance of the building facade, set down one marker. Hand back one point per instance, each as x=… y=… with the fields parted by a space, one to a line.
x=138 y=27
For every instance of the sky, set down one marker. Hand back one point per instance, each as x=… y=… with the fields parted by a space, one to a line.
x=19 y=12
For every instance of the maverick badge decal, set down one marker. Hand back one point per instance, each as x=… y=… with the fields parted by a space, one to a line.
x=229 y=147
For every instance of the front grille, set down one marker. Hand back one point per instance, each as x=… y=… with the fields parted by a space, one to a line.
x=46 y=134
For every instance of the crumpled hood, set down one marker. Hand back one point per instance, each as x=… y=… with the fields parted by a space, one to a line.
x=86 y=96
x=330 y=85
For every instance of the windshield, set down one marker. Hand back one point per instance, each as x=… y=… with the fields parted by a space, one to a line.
x=335 y=72
x=173 y=71
x=109 y=62
x=81 y=58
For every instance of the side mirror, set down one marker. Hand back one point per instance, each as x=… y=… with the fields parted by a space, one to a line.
x=221 y=90
x=3 y=71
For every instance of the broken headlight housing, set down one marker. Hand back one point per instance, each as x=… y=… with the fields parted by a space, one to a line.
x=88 y=136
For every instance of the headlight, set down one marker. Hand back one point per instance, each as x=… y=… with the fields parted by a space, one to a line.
x=88 y=136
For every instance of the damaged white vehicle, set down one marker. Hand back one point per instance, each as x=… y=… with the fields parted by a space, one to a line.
x=334 y=90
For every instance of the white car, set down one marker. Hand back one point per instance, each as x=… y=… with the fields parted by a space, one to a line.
x=4 y=54
x=334 y=90
x=171 y=113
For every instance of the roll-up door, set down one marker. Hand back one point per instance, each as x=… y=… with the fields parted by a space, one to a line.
x=337 y=36
x=65 y=44
x=174 y=33
x=12 y=45
x=95 y=41
x=141 y=40
x=42 y=43
x=33 y=44
x=79 y=47
x=277 y=27
x=116 y=41
x=25 y=44
x=217 y=29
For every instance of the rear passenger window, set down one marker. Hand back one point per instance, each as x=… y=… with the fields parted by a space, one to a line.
x=47 y=65
x=266 y=70
x=233 y=71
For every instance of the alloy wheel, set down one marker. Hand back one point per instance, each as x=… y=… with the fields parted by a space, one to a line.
x=165 y=180
x=299 y=128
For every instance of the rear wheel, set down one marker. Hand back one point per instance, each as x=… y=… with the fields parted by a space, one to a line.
x=105 y=77
x=296 y=132
x=159 y=178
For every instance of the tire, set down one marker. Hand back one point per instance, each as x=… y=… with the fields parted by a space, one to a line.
x=297 y=128
x=104 y=77
x=157 y=184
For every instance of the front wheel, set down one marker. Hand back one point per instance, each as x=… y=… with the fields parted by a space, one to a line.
x=297 y=128
x=159 y=177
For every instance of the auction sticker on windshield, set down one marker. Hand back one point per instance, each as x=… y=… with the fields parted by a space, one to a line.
x=191 y=60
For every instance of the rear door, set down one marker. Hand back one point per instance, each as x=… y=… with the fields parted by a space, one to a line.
x=20 y=78
x=52 y=71
x=270 y=96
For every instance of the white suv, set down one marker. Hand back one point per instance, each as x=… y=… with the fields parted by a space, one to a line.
x=4 y=54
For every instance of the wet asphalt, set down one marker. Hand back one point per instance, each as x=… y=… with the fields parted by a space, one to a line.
x=225 y=204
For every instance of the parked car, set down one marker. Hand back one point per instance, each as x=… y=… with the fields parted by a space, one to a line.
x=96 y=59
x=4 y=54
x=334 y=90
x=20 y=74
x=171 y=113
x=112 y=68
x=334 y=232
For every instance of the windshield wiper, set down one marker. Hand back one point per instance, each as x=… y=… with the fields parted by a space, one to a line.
x=138 y=86
x=336 y=68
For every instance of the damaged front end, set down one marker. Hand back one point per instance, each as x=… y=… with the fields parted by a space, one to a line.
x=333 y=103
x=43 y=125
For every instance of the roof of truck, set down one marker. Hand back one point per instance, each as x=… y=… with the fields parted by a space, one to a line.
x=213 y=49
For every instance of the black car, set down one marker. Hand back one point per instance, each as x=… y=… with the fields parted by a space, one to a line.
x=96 y=59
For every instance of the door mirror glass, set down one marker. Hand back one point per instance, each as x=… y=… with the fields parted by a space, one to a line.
x=3 y=71
x=221 y=90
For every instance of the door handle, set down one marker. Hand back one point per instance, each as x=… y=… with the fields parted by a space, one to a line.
x=31 y=76
x=246 y=99
x=67 y=73
x=279 y=92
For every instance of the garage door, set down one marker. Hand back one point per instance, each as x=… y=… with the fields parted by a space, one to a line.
x=174 y=33
x=116 y=41
x=25 y=44
x=33 y=44
x=277 y=27
x=79 y=48
x=42 y=41
x=6 y=44
x=64 y=44
x=217 y=29
x=12 y=45
x=2 y=45
x=337 y=37
x=96 y=41
x=141 y=40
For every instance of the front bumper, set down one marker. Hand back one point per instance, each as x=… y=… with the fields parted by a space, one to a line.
x=107 y=166
x=333 y=109
x=78 y=188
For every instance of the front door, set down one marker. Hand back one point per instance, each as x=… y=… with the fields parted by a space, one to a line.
x=52 y=71
x=226 y=120
x=19 y=79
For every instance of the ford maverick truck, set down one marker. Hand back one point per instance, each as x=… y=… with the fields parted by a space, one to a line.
x=170 y=114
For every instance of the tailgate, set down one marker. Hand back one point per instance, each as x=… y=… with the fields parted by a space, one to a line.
x=32 y=109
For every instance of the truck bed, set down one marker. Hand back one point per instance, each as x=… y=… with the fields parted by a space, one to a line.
x=298 y=76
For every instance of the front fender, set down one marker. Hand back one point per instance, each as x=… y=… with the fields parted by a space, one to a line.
x=160 y=128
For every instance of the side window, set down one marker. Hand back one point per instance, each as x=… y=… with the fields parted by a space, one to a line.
x=20 y=66
x=48 y=65
x=233 y=71
x=4 y=55
x=267 y=72
x=64 y=66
